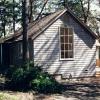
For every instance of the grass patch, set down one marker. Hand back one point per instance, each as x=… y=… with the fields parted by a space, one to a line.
x=5 y=96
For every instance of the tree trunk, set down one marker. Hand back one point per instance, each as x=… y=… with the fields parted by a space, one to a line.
x=85 y=19
x=4 y=30
x=30 y=10
x=25 y=37
x=66 y=4
x=4 y=23
x=14 y=16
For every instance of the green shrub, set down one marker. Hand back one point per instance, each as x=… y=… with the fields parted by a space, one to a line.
x=20 y=76
x=10 y=71
x=45 y=83
x=29 y=76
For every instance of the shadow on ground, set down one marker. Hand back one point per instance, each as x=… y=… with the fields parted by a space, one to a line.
x=82 y=91
x=68 y=92
x=74 y=92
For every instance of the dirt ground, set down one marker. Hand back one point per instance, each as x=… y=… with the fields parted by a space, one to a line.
x=84 y=90
x=71 y=92
x=75 y=92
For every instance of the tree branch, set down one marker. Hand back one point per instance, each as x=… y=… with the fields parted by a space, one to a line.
x=45 y=2
x=85 y=14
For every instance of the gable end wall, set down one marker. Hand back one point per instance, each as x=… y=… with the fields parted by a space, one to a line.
x=46 y=50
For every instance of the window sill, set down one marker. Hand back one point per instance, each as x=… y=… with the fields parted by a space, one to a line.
x=67 y=59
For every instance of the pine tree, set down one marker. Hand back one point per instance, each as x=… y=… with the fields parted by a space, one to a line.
x=24 y=26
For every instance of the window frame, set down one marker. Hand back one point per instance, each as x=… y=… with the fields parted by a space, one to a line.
x=62 y=59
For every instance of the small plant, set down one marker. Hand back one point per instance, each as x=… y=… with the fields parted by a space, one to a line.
x=45 y=83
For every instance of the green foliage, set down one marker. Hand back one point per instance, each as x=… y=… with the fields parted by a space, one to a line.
x=29 y=76
x=22 y=75
x=45 y=83
x=10 y=13
x=75 y=6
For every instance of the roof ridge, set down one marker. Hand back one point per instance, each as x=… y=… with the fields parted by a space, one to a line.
x=82 y=23
x=40 y=25
x=56 y=15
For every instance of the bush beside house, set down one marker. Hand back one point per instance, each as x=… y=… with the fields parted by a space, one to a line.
x=31 y=77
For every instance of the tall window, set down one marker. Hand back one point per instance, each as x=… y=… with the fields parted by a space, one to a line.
x=66 y=43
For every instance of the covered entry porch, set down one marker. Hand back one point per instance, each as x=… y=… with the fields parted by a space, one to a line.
x=97 y=58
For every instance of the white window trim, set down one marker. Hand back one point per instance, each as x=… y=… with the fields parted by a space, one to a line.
x=64 y=59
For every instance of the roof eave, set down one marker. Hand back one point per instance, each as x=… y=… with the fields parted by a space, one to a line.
x=82 y=24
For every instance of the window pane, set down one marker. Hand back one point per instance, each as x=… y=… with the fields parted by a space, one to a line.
x=62 y=39
x=66 y=42
x=70 y=31
x=66 y=39
x=62 y=46
x=70 y=46
x=66 y=46
x=61 y=31
x=70 y=54
x=66 y=54
x=62 y=54
x=66 y=31
x=70 y=39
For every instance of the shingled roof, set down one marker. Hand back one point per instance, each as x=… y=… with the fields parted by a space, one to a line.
x=35 y=28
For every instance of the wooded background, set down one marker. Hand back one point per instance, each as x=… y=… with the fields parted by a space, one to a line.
x=11 y=12
x=15 y=14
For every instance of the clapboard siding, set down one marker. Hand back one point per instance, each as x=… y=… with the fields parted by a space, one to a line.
x=46 y=50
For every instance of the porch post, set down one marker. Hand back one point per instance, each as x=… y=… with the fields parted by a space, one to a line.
x=97 y=61
x=1 y=53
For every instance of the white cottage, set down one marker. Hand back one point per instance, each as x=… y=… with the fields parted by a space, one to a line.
x=60 y=43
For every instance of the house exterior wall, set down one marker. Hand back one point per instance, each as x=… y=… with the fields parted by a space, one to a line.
x=15 y=51
x=46 y=50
